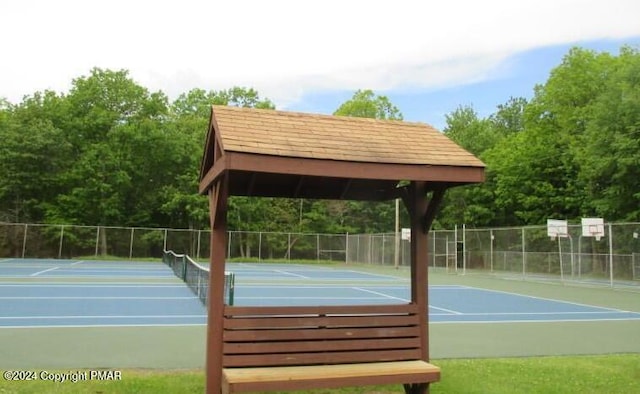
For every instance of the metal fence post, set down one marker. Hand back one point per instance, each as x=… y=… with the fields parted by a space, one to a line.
x=198 y=246
x=464 y=249
x=97 y=239
x=524 y=253
x=610 y=255
x=61 y=240
x=491 y=239
x=131 y=244
x=24 y=240
x=346 y=248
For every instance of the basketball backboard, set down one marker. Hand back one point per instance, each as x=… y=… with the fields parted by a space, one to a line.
x=557 y=228
x=593 y=227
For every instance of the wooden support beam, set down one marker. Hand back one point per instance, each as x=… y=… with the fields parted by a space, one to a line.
x=212 y=174
x=422 y=213
x=432 y=208
x=218 y=203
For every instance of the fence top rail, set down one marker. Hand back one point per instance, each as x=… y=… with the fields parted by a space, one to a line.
x=129 y=228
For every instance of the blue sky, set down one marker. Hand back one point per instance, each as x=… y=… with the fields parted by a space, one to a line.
x=515 y=78
x=428 y=57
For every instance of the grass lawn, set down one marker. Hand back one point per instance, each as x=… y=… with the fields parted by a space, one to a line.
x=618 y=373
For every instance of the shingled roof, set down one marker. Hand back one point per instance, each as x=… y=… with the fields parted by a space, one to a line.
x=289 y=154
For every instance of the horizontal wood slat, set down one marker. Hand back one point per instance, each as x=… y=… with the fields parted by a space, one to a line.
x=320 y=321
x=240 y=311
x=273 y=336
x=307 y=334
x=321 y=345
x=318 y=358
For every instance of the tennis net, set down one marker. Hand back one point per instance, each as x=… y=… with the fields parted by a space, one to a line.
x=196 y=276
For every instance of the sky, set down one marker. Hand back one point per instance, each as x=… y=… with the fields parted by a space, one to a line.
x=427 y=57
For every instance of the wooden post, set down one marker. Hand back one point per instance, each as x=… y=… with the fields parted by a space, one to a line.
x=419 y=264
x=218 y=196
x=422 y=213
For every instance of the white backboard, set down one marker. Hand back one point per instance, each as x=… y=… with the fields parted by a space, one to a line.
x=406 y=234
x=593 y=227
x=557 y=228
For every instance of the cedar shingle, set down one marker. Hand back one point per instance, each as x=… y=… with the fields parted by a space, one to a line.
x=293 y=134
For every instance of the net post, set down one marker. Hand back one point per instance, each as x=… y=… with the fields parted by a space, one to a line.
x=164 y=242
x=230 y=285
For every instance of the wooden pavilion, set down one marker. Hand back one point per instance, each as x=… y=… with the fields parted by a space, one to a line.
x=267 y=153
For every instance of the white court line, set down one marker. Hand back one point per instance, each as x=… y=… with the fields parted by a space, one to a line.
x=43 y=271
x=449 y=287
x=449 y=311
x=5 y=260
x=116 y=285
x=273 y=286
x=101 y=317
x=76 y=263
x=535 y=321
x=97 y=298
x=292 y=274
x=105 y=325
x=381 y=294
x=611 y=312
x=304 y=298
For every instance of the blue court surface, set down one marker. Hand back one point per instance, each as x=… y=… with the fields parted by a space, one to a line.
x=73 y=293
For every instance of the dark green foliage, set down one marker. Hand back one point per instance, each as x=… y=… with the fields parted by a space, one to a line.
x=109 y=152
x=572 y=151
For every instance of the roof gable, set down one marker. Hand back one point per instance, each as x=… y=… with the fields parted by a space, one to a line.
x=296 y=155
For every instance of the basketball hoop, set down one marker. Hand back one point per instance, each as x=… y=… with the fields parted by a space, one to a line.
x=593 y=227
x=557 y=228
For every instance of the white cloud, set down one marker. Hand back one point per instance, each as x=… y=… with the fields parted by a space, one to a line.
x=285 y=48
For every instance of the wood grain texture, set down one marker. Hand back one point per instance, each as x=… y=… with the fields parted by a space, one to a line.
x=328 y=376
x=294 y=134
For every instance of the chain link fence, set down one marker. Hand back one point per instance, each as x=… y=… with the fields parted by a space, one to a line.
x=523 y=252
x=529 y=252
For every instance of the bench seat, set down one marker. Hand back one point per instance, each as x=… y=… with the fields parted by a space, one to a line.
x=327 y=376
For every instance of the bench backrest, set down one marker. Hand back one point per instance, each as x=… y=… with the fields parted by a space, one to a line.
x=278 y=336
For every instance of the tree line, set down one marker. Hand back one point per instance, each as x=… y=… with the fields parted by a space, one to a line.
x=110 y=152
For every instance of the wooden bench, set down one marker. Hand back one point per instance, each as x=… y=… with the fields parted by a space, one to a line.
x=298 y=348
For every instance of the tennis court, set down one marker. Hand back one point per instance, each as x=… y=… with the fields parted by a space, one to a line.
x=76 y=293
x=119 y=314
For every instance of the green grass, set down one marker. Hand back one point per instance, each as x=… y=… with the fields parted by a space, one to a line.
x=618 y=373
